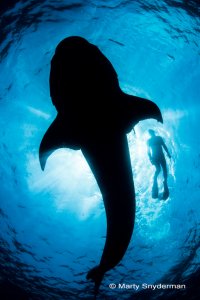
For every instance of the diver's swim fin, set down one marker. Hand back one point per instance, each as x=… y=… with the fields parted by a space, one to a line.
x=165 y=194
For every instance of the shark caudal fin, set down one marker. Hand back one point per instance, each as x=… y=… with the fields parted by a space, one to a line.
x=136 y=109
x=96 y=275
x=58 y=135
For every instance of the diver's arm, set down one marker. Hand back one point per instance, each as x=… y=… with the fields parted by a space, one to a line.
x=149 y=151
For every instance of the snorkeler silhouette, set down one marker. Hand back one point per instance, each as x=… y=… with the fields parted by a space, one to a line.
x=157 y=158
x=94 y=115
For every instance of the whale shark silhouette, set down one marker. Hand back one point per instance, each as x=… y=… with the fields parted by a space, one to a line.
x=95 y=115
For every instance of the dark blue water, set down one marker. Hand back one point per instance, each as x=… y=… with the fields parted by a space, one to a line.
x=53 y=223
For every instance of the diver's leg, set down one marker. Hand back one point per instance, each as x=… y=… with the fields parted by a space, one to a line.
x=155 y=181
x=166 y=189
x=164 y=168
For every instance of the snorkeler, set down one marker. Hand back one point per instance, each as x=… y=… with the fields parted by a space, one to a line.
x=157 y=158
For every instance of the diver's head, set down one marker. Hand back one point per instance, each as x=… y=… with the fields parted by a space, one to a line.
x=151 y=132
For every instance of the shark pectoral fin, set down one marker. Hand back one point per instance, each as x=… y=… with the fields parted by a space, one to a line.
x=57 y=136
x=137 y=109
x=49 y=143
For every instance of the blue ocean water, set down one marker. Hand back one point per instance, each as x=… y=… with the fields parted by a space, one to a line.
x=53 y=223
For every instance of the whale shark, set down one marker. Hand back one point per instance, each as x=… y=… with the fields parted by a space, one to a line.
x=94 y=115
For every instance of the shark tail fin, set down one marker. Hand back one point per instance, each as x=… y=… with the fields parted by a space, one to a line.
x=96 y=275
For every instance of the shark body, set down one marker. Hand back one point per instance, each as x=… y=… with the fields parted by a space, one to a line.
x=95 y=115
